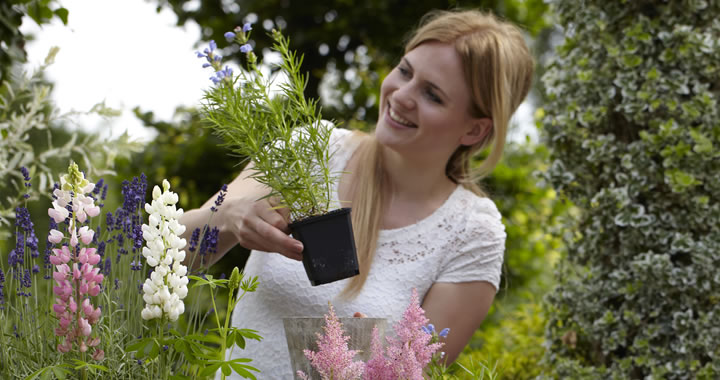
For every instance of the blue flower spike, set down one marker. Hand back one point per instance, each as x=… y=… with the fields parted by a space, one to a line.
x=444 y=333
x=213 y=45
x=246 y=28
x=229 y=36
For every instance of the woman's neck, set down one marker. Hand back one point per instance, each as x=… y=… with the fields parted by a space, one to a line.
x=416 y=179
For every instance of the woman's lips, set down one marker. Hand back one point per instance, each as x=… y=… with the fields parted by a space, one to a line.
x=399 y=120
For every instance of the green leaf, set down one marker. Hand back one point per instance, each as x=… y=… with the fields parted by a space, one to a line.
x=226 y=370
x=242 y=370
x=62 y=13
x=632 y=60
x=97 y=367
x=41 y=371
x=155 y=350
x=136 y=346
x=230 y=339
x=211 y=369
x=249 y=333
x=240 y=341
x=60 y=373
x=702 y=143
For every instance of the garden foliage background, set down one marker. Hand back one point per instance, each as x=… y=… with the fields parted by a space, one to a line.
x=603 y=109
x=363 y=42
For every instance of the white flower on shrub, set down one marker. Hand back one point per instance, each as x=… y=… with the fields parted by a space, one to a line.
x=167 y=286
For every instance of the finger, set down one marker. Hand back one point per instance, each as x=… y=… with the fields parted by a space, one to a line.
x=277 y=241
x=252 y=242
x=276 y=217
x=284 y=212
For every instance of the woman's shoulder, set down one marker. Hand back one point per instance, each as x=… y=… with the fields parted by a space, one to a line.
x=342 y=145
x=339 y=136
x=478 y=216
x=477 y=206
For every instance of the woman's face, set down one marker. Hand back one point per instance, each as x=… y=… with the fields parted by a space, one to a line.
x=425 y=104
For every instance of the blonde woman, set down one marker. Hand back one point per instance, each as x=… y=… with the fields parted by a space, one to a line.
x=420 y=221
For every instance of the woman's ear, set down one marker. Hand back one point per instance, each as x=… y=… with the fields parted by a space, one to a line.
x=479 y=130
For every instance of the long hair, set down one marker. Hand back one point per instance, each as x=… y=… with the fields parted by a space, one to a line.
x=498 y=67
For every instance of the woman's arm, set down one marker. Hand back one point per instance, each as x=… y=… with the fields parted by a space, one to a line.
x=245 y=220
x=461 y=307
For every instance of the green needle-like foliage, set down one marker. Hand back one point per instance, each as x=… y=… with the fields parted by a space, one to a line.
x=280 y=131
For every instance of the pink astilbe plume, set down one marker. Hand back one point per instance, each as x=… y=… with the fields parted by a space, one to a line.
x=333 y=360
x=378 y=367
x=408 y=353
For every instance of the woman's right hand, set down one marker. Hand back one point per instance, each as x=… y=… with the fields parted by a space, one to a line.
x=258 y=225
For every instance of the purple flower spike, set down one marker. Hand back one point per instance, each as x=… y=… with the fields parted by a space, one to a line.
x=200 y=55
x=25 y=173
x=444 y=333
x=246 y=28
x=246 y=48
x=218 y=58
x=223 y=189
x=206 y=65
x=229 y=36
x=213 y=45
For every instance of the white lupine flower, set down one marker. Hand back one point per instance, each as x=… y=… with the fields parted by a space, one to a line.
x=166 y=288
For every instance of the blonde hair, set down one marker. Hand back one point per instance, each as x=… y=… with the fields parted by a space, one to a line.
x=498 y=66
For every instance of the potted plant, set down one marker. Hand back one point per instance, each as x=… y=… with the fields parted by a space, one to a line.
x=283 y=133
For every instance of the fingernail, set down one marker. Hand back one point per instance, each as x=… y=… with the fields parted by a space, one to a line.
x=298 y=246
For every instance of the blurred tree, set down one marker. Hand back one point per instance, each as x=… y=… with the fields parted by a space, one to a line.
x=348 y=46
x=12 y=41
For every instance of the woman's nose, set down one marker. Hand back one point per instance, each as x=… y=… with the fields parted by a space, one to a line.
x=403 y=96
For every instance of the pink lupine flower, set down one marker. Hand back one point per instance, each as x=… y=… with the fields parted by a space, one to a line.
x=333 y=360
x=73 y=238
x=98 y=355
x=86 y=234
x=58 y=213
x=55 y=236
x=75 y=321
x=62 y=256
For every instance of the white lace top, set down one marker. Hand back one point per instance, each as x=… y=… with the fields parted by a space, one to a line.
x=463 y=240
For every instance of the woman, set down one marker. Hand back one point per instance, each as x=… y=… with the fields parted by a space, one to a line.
x=419 y=219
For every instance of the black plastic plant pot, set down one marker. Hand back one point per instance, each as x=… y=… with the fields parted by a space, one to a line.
x=329 y=252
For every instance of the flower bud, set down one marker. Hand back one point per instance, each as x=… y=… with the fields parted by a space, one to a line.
x=235 y=279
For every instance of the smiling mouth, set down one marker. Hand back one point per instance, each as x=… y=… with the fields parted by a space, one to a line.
x=399 y=119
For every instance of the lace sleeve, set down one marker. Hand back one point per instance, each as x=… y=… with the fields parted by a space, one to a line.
x=478 y=252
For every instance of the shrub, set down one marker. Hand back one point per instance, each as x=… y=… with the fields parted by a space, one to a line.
x=515 y=343
x=632 y=124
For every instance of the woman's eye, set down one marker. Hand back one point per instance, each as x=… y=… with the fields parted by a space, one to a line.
x=431 y=95
x=403 y=71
